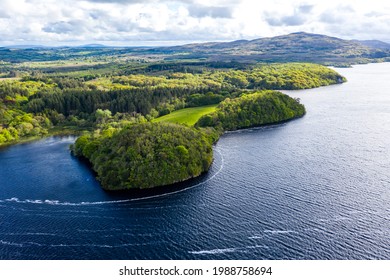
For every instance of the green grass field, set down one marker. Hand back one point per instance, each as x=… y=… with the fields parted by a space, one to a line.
x=187 y=116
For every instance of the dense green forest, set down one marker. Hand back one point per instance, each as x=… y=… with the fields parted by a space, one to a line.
x=253 y=109
x=124 y=115
x=156 y=154
x=15 y=122
x=39 y=103
x=146 y=155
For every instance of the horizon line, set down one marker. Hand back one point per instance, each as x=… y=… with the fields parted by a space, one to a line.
x=164 y=43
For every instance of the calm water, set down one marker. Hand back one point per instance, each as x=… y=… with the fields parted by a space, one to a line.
x=314 y=188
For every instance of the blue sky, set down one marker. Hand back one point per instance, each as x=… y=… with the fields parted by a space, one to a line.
x=161 y=22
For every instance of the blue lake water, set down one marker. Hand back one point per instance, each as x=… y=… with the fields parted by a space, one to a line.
x=314 y=188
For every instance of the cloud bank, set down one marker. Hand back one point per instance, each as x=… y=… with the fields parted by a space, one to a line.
x=157 y=22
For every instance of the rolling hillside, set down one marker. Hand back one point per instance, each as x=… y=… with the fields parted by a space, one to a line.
x=294 y=47
x=301 y=46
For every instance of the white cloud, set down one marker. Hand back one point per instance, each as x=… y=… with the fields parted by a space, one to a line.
x=209 y=11
x=135 y=22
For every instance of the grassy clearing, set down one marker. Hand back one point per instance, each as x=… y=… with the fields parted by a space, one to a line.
x=188 y=116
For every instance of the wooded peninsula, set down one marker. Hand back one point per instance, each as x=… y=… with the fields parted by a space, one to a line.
x=150 y=126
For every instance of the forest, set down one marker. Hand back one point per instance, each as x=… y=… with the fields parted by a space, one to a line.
x=255 y=109
x=147 y=124
x=156 y=154
x=146 y=155
x=36 y=103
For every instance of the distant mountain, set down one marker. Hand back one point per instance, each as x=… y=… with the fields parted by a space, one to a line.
x=92 y=46
x=299 y=46
x=26 y=47
x=294 y=47
x=375 y=44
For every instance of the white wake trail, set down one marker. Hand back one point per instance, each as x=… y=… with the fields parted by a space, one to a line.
x=90 y=203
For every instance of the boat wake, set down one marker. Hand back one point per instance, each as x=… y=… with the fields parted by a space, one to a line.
x=91 y=203
x=227 y=250
x=35 y=244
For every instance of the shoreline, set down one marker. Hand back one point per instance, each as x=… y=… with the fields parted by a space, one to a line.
x=55 y=131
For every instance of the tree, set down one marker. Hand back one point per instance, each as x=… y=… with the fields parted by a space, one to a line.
x=102 y=116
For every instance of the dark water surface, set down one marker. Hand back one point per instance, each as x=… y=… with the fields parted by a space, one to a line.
x=314 y=188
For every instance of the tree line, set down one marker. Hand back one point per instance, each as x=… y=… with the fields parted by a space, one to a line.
x=253 y=109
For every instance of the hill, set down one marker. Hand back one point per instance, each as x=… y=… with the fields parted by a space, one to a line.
x=375 y=44
x=295 y=47
x=301 y=46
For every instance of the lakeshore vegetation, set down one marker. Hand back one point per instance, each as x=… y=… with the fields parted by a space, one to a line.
x=151 y=126
x=253 y=109
x=37 y=103
x=147 y=155
x=156 y=154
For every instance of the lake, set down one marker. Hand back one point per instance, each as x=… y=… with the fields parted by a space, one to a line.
x=317 y=187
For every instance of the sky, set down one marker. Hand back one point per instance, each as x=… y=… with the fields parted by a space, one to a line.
x=174 y=22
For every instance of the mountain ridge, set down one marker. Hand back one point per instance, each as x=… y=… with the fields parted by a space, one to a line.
x=294 y=47
x=374 y=44
x=297 y=47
